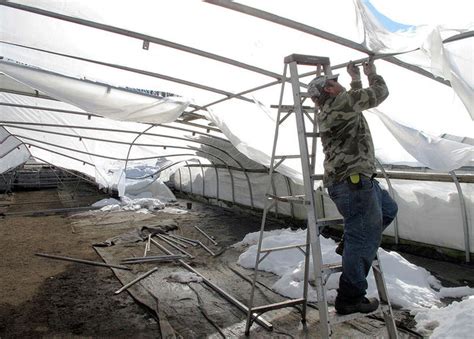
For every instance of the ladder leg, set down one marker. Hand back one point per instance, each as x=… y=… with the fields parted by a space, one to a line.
x=265 y=211
x=312 y=212
x=383 y=295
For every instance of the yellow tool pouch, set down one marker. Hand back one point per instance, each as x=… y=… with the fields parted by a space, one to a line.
x=354 y=179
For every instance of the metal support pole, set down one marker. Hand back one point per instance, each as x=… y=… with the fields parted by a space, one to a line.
x=180 y=181
x=203 y=183
x=290 y=193
x=392 y=194
x=190 y=177
x=465 y=221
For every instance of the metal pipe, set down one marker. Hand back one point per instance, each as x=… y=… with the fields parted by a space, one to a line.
x=203 y=180
x=152 y=257
x=206 y=235
x=190 y=177
x=134 y=281
x=134 y=70
x=392 y=194
x=192 y=242
x=465 y=221
x=262 y=322
x=206 y=249
x=139 y=36
x=180 y=181
x=320 y=34
x=174 y=240
x=174 y=246
x=82 y=261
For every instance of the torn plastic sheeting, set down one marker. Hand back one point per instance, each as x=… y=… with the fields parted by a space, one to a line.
x=434 y=152
x=97 y=98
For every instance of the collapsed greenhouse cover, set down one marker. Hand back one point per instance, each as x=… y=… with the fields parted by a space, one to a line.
x=67 y=98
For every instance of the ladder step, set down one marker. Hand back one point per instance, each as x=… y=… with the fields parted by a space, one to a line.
x=312 y=134
x=331 y=268
x=275 y=306
x=291 y=108
x=281 y=248
x=296 y=156
x=317 y=176
x=335 y=318
x=329 y=222
x=309 y=60
x=298 y=199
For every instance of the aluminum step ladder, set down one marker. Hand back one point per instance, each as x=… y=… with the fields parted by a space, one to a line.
x=308 y=162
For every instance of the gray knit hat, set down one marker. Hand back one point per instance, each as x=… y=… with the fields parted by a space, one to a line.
x=315 y=87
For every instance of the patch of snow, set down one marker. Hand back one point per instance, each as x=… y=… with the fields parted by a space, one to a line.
x=453 y=321
x=409 y=286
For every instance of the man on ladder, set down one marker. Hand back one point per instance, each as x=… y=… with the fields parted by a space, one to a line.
x=349 y=171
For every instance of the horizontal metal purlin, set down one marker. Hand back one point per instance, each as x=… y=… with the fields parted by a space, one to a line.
x=61 y=154
x=320 y=34
x=49 y=109
x=26 y=94
x=101 y=117
x=248 y=170
x=141 y=37
x=135 y=70
x=14 y=124
x=105 y=156
x=82 y=176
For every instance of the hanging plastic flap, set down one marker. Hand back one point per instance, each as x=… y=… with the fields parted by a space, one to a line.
x=12 y=151
x=434 y=152
x=102 y=99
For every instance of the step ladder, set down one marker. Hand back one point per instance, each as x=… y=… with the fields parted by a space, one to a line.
x=322 y=272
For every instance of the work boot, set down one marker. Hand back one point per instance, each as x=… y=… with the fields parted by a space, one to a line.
x=363 y=306
x=340 y=247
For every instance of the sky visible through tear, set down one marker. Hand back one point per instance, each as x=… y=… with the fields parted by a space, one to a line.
x=388 y=23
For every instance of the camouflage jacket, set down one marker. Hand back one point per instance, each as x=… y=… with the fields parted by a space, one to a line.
x=345 y=134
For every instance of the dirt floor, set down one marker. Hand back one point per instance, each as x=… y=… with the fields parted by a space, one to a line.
x=41 y=297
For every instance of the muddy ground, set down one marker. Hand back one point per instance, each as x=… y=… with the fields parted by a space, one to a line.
x=41 y=297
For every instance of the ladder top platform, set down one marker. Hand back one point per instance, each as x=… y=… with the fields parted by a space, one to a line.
x=309 y=60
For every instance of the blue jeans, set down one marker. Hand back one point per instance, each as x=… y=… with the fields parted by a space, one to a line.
x=367 y=210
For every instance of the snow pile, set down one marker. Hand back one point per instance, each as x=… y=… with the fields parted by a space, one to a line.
x=184 y=277
x=453 y=321
x=409 y=286
x=140 y=205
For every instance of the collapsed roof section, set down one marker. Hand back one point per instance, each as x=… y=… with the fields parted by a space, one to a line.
x=226 y=71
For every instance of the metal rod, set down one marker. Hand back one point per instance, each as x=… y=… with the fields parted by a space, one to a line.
x=207 y=249
x=82 y=261
x=134 y=70
x=392 y=194
x=192 y=242
x=146 y=261
x=174 y=240
x=206 y=235
x=134 y=281
x=151 y=257
x=141 y=37
x=17 y=124
x=465 y=221
x=174 y=246
x=147 y=245
x=262 y=322
x=320 y=34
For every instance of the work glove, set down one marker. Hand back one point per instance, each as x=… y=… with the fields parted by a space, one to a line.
x=353 y=71
x=369 y=67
